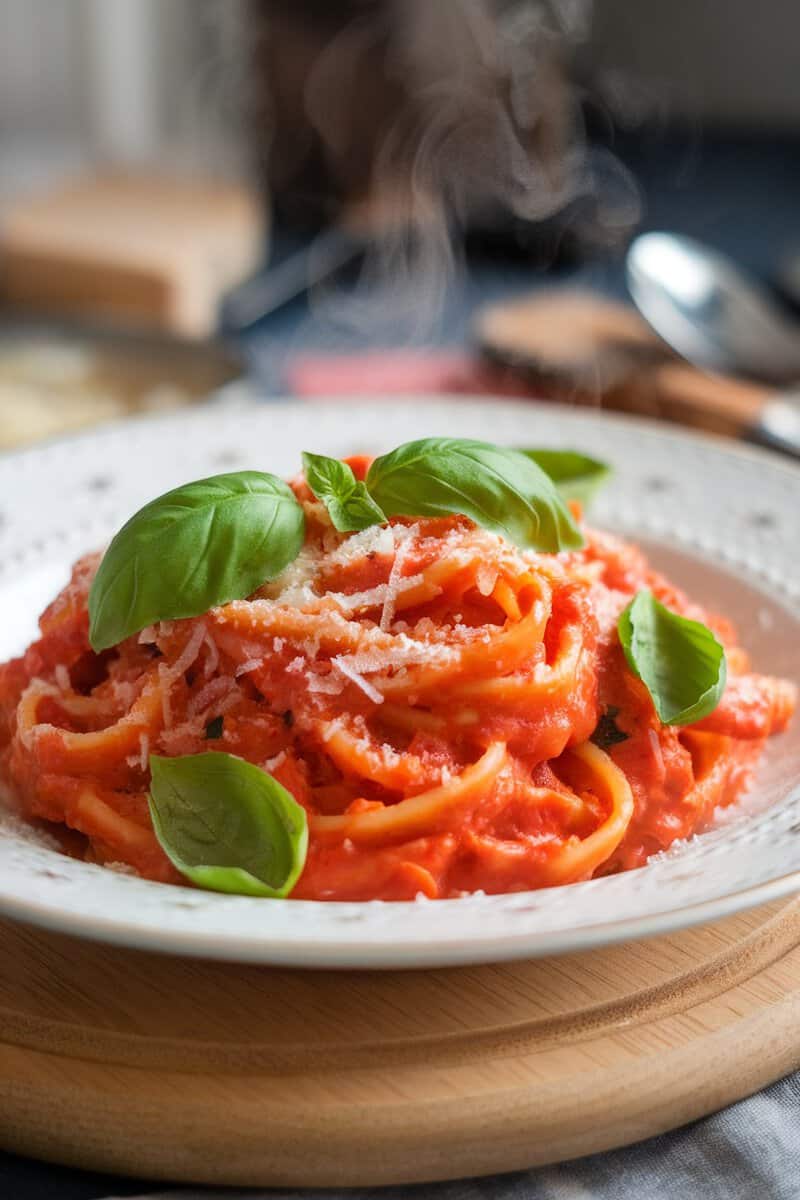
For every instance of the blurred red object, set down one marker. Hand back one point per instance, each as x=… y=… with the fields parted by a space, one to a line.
x=399 y=372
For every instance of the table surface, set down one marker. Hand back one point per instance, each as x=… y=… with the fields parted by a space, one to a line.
x=741 y=194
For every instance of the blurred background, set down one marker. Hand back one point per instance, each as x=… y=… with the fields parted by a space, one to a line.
x=316 y=197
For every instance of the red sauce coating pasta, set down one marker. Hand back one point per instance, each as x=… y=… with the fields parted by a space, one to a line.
x=454 y=714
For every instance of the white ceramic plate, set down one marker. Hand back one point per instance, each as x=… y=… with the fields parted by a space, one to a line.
x=720 y=520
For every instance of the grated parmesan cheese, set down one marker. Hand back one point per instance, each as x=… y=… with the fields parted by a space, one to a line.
x=294 y=585
x=332 y=728
x=326 y=684
x=376 y=540
x=251 y=664
x=486 y=578
x=61 y=676
x=215 y=689
x=188 y=655
x=404 y=651
x=166 y=708
x=402 y=546
x=212 y=661
x=142 y=759
x=124 y=692
x=233 y=697
x=371 y=598
x=367 y=688
x=174 y=740
x=383 y=595
x=310 y=647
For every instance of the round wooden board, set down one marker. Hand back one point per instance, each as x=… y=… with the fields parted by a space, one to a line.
x=172 y=1068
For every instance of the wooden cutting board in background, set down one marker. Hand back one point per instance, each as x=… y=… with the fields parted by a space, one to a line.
x=579 y=347
x=170 y=1068
x=139 y=251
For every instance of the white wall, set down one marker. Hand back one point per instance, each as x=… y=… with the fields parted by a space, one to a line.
x=38 y=68
x=126 y=80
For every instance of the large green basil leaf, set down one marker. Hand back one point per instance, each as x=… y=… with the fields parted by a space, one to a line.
x=500 y=489
x=227 y=825
x=200 y=545
x=680 y=662
x=576 y=475
x=347 y=500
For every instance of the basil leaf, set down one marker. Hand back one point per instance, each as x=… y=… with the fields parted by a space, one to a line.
x=680 y=662
x=576 y=476
x=199 y=545
x=347 y=500
x=498 y=488
x=227 y=825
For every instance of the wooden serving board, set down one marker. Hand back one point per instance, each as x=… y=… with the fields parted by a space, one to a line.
x=178 y=1069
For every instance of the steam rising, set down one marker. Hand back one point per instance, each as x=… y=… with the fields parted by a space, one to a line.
x=484 y=123
x=433 y=114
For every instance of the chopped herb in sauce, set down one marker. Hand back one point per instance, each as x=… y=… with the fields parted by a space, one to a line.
x=608 y=733
x=214 y=729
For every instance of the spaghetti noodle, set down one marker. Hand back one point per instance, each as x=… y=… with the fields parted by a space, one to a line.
x=453 y=714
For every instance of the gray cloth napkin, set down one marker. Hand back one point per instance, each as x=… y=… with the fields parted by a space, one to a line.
x=750 y=1151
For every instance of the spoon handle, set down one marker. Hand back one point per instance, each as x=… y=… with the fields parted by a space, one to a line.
x=677 y=391
x=582 y=348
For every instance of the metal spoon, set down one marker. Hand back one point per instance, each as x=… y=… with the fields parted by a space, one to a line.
x=717 y=317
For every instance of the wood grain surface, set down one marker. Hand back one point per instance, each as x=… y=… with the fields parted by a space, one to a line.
x=179 y=1069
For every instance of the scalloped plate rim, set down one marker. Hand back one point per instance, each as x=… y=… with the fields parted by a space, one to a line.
x=375 y=934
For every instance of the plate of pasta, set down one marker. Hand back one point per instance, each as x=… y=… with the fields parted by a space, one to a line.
x=396 y=685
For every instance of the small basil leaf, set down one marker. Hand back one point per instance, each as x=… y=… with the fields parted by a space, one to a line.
x=680 y=662
x=347 y=500
x=576 y=476
x=199 y=545
x=498 y=488
x=227 y=825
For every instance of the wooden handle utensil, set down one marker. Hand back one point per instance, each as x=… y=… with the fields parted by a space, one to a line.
x=581 y=347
